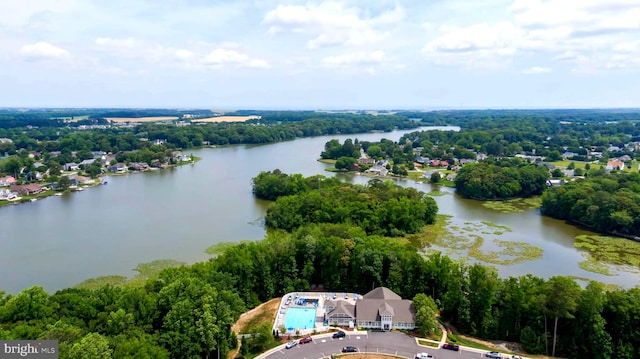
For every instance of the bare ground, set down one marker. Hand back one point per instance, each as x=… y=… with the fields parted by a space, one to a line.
x=256 y=316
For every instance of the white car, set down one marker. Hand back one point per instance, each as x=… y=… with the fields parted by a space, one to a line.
x=424 y=356
x=291 y=344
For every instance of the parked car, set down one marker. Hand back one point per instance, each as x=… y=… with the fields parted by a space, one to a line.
x=349 y=349
x=305 y=340
x=424 y=356
x=291 y=344
x=450 y=346
x=339 y=335
x=515 y=357
x=493 y=355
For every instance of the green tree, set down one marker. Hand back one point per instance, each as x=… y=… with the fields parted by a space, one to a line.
x=426 y=311
x=435 y=177
x=562 y=296
x=63 y=183
x=91 y=346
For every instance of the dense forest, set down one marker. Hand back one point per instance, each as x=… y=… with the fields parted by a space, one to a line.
x=501 y=179
x=188 y=311
x=606 y=203
x=378 y=208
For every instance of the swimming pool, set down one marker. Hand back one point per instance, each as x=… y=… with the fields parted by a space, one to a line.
x=300 y=318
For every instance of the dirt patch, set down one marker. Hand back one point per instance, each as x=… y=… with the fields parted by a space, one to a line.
x=265 y=312
x=256 y=316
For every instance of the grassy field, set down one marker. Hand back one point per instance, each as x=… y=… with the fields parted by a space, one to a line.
x=146 y=271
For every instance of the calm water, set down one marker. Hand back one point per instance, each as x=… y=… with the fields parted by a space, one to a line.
x=177 y=213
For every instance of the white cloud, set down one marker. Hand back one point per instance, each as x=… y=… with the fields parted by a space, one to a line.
x=480 y=45
x=359 y=58
x=220 y=57
x=43 y=50
x=332 y=23
x=578 y=32
x=109 y=42
x=535 y=70
x=183 y=54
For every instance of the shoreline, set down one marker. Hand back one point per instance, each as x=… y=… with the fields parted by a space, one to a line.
x=81 y=187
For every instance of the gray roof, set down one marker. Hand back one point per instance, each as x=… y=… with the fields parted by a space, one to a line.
x=381 y=293
x=402 y=310
x=343 y=307
x=383 y=301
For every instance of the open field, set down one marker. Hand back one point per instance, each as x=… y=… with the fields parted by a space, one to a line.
x=226 y=119
x=141 y=119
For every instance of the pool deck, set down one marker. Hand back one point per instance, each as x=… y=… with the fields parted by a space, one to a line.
x=291 y=300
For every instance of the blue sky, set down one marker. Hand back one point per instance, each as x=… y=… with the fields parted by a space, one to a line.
x=279 y=54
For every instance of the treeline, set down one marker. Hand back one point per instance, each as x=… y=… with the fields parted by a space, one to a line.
x=124 y=139
x=605 y=203
x=378 y=208
x=501 y=179
x=546 y=134
x=188 y=311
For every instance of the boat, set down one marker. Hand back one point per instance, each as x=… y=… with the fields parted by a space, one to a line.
x=58 y=194
x=33 y=199
x=105 y=182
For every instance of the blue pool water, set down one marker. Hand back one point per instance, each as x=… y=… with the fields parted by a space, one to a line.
x=300 y=318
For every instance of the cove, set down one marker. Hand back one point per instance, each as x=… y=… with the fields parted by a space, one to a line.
x=177 y=213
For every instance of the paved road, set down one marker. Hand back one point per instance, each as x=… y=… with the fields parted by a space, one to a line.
x=376 y=342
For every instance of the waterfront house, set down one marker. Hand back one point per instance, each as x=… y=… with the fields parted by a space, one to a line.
x=26 y=189
x=7 y=181
x=138 y=166
x=378 y=170
x=117 y=168
x=82 y=179
x=7 y=195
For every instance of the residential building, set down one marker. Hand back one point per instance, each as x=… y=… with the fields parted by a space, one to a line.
x=26 y=189
x=7 y=181
x=614 y=164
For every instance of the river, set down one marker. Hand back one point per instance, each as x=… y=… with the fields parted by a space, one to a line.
x=177 y=213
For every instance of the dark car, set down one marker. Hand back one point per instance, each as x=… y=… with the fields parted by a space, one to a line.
x=493 y=355
x=305 y=340
x=339 y=335
x=450 y=346
x=349 y=349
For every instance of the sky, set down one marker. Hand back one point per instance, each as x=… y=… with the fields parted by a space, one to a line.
x=343 y=54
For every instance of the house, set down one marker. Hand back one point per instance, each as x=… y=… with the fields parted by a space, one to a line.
x=378 y=170
x=26 y=189
x=82 y=179
x=88 y=162
x=625 y=158
x=5 y=140
x=71 y=166
x=117 y=168
x=614 y=164
x=366 y=160
x=614 y=149
x=138 y=166
x=7 y=195
x=569 y=155
x=7 y=181
x=381 y=308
